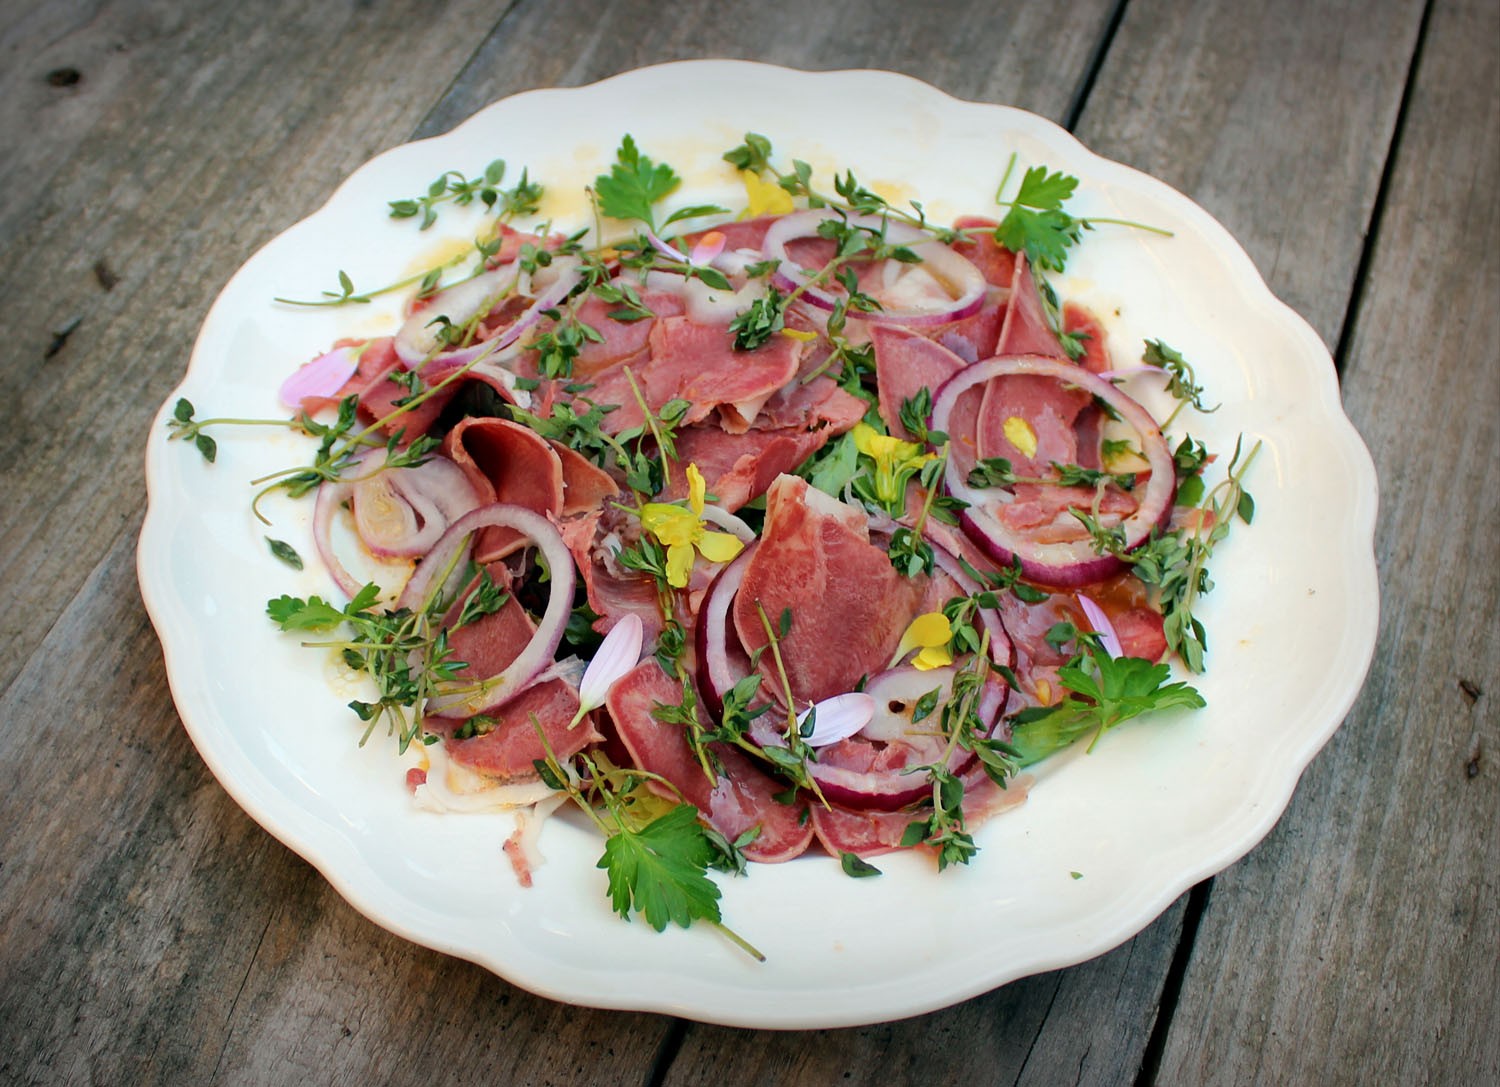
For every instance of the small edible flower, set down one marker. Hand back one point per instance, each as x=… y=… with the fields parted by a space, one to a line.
x=837 y=718
x=1019 y=433
x=324 y=376
x=682 y=531
x=709 y=246
x=930 y=633
x=895 y=462
x=618 y=653
x=765 y=197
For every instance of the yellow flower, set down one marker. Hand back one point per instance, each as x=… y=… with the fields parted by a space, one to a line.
x=931 y=632
x=895 y=461
x=1019 y=433
x=766 y=197
x=682 y=530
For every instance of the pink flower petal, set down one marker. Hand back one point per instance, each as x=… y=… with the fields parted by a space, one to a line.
x=838 y=718
x=323 y=376
x=709 y=247
x=1102 y=626
x=618 y=653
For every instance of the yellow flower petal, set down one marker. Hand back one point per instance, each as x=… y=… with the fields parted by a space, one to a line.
x=679 y=564
x=934 y=656
x=765 y=197
x=800 y=334
x=862 y=434
x=669 y=523
x=1019 y=433
x=719 y=546
x=697 y=488
x=928 y=631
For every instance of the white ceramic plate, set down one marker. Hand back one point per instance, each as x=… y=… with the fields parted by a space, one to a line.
x=1158 y=806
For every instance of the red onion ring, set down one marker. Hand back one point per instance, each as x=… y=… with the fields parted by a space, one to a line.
x=444 y=566
x=404 y=511
x=938 y=258
x=714 y=635
x=1063 y=564
x=330 y=497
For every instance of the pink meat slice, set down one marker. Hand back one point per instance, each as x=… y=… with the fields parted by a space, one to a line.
x=906 y=363
x=622 y=340
x=507 y=752
x=863 y=833
x=997 y=263
x=1026 y=330
x=1048 y=407
x=740 y=799
x=611 y=595
x=739 y=467
x=488 y=646
x=848 y=605
x=506 y=462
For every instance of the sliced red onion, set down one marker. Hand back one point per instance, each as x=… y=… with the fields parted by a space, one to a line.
x=1068 y=563
x=442 y=571
x=323 y=376
x=838 y=718
x=939 y=260
x=1131 y=371
x=330 y=497
x=722 y=661
x=1102 y=626
x=618 y=653
x=403 y=511
x=418 y=340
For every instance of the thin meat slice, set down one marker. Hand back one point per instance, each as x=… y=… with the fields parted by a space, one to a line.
x=612 y=593
x=506 y=462
x=905 y=364
x=848 y=606
x=507 y=752
x=739 y=467
x=620 y=340
x=1029 y=408
x=863 y=833
x=1027 y=330
x=742 y=796
x=995 y=262
x=586 y=486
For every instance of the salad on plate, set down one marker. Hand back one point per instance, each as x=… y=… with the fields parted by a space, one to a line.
x=806 y=525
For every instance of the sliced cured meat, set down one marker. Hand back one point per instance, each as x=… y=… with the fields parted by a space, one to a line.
x=848 y=605
x=506 y=752
x=994 y=261
x=612 y=593
x=863 y=833
x=741 y=797
x=510 y=463
x=1080 y=321
x=620 y=340
x=585 y=485
x=1027 y=330
x=906 y=363
x=739 y=467
x=1038 y=411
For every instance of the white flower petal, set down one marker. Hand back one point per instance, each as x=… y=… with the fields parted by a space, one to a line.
x=839 y=717
x=618 y=653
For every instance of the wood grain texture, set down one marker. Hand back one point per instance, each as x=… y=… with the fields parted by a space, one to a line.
x=1018 y=53
x=151 y=932
x=1085 y=1025
x=1379 y=962
x=195 y=134
x=1276 y=117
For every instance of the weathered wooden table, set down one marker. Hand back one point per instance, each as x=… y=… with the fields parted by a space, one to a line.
x=151 y=932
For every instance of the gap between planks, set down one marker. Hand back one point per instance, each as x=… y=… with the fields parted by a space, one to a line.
x=1382 y=190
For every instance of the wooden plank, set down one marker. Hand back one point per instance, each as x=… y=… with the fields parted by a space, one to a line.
x=193 y=135
x=1274 y=116
x=1086 y=1025
x=1021 y=54
x=1378 y=963
x=151 y=932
